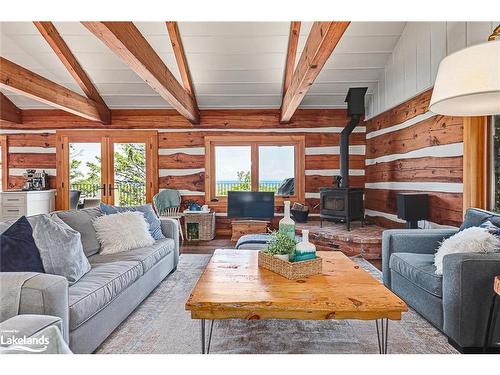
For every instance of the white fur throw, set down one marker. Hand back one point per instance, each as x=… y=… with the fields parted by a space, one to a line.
x=470 y=240
x=122 y=232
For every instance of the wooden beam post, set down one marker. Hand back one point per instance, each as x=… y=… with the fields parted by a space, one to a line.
x=9 y=111
x=126 y=41
x=180 y=57
x=4 y=143
x=476 y=173
x=17 y=79
x=57 y=43
x=293 y=41
x=321 y=42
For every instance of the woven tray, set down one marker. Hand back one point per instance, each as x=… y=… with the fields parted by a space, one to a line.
x=290 y=270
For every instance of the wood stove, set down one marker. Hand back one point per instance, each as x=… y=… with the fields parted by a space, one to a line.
x=344 y=203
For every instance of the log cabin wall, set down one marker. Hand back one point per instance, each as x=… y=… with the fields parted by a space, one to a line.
x=181 y=144
x=411 y=149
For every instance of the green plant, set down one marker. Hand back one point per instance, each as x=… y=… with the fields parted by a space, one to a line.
x=280 y=244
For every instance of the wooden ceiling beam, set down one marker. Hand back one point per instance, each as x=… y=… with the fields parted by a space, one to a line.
x=180 y=57
x=9 y=112
x=321 y=42
x=293 y=41
x=126 y=41
x=22 y=81
x=57 y=43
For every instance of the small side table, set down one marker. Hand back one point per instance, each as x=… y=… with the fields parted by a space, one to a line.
x=490 y=328
x=199 y=225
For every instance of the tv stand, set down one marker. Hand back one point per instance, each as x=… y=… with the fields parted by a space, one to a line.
x=242 y=227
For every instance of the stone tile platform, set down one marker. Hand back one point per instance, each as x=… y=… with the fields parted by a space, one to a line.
x=365 y=241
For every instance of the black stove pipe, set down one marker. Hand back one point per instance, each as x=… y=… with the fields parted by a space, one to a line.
x=355 y=108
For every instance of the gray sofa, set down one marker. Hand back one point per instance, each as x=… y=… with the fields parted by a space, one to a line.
x=458 y=302
x=96 y=304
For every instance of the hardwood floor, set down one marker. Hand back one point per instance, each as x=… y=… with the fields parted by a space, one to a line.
x=222 y=242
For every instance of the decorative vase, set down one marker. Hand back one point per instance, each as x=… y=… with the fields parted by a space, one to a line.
x=194 y=207
x=285 y=257
x=304 y=250
x=287 y=225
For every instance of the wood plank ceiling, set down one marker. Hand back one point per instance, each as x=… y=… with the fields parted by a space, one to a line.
x=231 y=64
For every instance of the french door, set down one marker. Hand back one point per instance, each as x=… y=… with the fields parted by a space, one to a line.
x=118 y=167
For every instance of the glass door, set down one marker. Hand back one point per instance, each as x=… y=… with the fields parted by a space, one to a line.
x=128 y=185
x=113 y=167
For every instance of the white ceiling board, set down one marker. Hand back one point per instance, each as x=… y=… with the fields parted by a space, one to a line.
x=232 y=64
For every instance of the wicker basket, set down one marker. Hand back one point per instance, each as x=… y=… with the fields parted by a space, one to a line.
x=199 y=226
x=290 y=270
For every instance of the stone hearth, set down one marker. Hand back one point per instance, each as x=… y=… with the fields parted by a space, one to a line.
x=365 y=241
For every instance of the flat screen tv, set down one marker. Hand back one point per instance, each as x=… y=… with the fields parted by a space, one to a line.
x=250 y=205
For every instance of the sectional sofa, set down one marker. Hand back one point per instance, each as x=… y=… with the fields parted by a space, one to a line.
x=96 y=304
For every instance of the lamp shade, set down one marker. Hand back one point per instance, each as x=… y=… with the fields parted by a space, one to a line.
x=468 y=82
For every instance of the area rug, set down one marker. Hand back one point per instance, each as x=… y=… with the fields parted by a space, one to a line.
x=161 y=325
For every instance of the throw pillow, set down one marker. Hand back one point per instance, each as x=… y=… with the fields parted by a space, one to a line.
x=18 y=251
x=490 y=227
x=122 y=232
x=470 y=240
x=149 y=214
x=60 y=248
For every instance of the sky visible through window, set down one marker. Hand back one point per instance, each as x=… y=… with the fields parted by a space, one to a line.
x=276 y=163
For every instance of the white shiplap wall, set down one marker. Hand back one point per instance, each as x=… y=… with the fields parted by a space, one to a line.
x=413 y=65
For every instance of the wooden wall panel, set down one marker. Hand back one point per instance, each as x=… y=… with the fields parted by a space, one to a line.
x=405 y=111
x=32 y=140
x=17 y=182
x=333 y=162
x=197 y=138
x=442 y=167
x=447 y=169
x=446 y=208
x=435 y=131
x=167 y=118
x=192 y=182
x=26 y=160
x=314 y=182
x=181 y=161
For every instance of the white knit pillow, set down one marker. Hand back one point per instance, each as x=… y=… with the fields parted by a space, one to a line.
x=122 y=232
x=470 y=240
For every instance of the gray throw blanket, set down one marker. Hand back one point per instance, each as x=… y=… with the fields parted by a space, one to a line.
x=10 y=292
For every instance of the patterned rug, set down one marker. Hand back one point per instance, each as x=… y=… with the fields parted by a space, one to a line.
x=162 y=325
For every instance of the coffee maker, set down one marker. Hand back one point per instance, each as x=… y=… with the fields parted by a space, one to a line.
x=34 y=180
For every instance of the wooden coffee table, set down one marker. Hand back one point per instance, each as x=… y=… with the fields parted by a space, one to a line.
x=233 y=286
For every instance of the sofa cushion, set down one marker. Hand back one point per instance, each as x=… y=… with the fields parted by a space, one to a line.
x=98 y=287
x=81 y=221
x=474 y=217
x=419 y=269
x=148 y=256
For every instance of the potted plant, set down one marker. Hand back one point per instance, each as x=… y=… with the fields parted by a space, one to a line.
x=280 y=245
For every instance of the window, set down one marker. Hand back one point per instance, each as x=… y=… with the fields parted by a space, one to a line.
x=255 y=163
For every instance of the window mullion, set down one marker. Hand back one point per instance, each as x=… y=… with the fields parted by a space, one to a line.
x=254 y=167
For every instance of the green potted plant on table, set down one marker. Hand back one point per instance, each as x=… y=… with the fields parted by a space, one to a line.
x=280 y=245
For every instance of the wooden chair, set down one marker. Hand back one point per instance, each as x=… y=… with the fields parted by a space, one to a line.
x=172 y=213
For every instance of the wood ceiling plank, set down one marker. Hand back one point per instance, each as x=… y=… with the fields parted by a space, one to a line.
x=293 y=40
x=180 y=57
x=321 y=42
x=22 y=81
x=8 y=111
x=126 y=41
x=57 y=43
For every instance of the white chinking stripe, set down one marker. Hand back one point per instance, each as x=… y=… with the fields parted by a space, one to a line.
x=179 y=172
x=187 y=150
x=332 y=129
x=20 y=171
x=311 y=195
x=446 y=187
x=335 y=150
x=333 y=172
x=383 y=214
x=403 y=125
x=31 y=150
x=442 y=151
x=14 y=131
